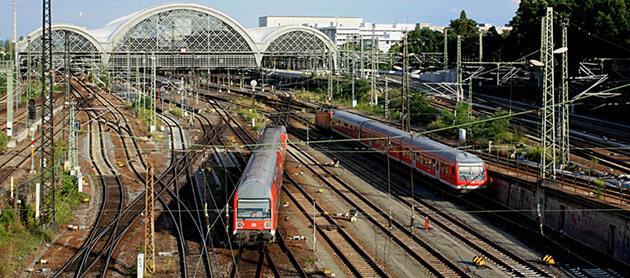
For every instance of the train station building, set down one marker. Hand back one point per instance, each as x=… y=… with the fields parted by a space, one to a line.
x=184 y=36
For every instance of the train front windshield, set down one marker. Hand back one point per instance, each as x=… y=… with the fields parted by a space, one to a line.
x=254 y=209
x=471 y=173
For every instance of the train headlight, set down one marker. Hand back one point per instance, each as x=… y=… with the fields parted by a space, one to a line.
x=267 y=224
x=240 y=224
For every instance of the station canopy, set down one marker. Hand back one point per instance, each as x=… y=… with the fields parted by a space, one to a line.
x=184 y=36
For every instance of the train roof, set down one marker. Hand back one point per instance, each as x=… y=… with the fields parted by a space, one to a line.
x=258 y=175
x=349 y=117
x=441 y=150
x=422 y=142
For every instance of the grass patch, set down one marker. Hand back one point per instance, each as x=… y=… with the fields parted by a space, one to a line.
x=14 y=251
x=145 y=115
x=253 y=114
x=67 y=199
x=23 y=226
x=4 y=140
x=309 y=96
x=176 y=112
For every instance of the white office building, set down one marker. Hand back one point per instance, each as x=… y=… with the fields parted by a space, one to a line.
x=347 y=29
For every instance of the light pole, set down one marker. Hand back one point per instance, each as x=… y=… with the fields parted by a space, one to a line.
x=354 y=101
x=153 y=126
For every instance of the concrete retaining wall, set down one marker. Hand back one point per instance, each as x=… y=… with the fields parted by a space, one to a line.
x=596 y=225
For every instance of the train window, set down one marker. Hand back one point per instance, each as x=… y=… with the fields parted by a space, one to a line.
x=471 y=172
x=406 y=153
x=254 y=208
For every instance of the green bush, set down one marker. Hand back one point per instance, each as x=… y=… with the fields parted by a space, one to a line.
x=13 y=250
x=369 y=108
x=176 y=112
x=599 y=188
x=533 y=153
x=253 y=114
x=68 y=198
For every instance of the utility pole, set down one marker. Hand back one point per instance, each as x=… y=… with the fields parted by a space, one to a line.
x=29 y=94
x=72 y=143
x=314 y=224
x=480 y=46
x=564 y=85
x=374 y=69
x=153 y=127
x=8 y=68
x=331 y=68
x=15 y=56
x=445 y=49
x=406 y=111
x=361 y=59
x=149 y=221
x=386 y=98
x=460 y=93
x=547 y=168
x=47 y=147
x=354 y=101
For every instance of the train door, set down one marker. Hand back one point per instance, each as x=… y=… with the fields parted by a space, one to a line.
x=437 y=169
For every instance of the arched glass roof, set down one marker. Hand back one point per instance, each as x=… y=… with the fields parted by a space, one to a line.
x=80 y=41
x=189 y=28
x=189 y=35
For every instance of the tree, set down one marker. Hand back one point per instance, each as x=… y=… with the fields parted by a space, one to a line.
x=421 y=109
x=463 y=26
x=598 y=27
x=494 y=45
x=422 y=40
x=468 y=30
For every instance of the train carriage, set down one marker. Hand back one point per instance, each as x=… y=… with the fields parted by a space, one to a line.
x=256 y=201
x=455 y=168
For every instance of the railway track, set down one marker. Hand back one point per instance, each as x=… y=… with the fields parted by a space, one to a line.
x=251 y=263
x=248 y=140
x=178 y=144
x=131 y=213
x=504 y=260
x=425 y=255
x=15 y=158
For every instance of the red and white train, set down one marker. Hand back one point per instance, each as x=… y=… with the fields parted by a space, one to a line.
x=256 y=200
x=454 y=168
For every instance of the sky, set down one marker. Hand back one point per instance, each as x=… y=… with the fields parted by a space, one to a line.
x=96 y=13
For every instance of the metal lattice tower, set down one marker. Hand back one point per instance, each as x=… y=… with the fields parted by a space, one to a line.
x=405 y=116
x=460 y=79
x=445 y=49
x=47 y=142
x=149 y=221
x=548 y=116
x=66 y=73
x=564 y=107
